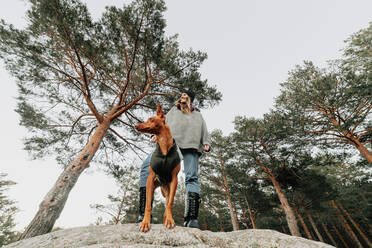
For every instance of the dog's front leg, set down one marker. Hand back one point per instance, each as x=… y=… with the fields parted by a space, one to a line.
x=168 y=215
x=150 y=187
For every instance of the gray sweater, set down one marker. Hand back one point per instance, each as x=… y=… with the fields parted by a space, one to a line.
x=189 y=130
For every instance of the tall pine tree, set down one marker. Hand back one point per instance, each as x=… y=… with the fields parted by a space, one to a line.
x=332 y=106
x=83 y=84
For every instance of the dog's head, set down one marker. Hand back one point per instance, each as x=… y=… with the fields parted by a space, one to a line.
x=154 y=124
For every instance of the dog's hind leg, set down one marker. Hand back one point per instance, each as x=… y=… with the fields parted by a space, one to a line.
x=150 y=188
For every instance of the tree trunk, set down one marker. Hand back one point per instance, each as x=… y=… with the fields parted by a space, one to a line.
x=353 y=141
x=283 y=227
x=313 y=225
x=53 y=203
x=363 y=150
x=365 y=220
x=346 y=225
x=233 y=216
x=303 y=224
x=251 y=216
x=117 y=219
x=329 y=234
x=288 y=211
x=244 y=215
x=289 y=214
x=220 y=219
x=356 y=226
x=205 y=225
x=340 y=236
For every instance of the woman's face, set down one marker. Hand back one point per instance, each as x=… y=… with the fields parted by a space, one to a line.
x=184 y=98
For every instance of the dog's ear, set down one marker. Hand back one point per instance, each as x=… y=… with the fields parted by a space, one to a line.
x=159 y=111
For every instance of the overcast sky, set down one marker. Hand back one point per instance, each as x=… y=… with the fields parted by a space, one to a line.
x=251 y=46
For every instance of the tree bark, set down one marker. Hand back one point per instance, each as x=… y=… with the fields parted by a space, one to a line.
x=251 y=215
x=346 y=225
x=233 y=216
x=356 y=226
x=351 y=137
x=220 y=219
x=205 y=225
x=313 y=225
x=288 y=211
x=308 y=234
x=329 y=234
x=363 y=150
x=244 y=215
x=54 y=202
x=365 y=220
x=283 y=228
x=117 y=218
x=340 y=236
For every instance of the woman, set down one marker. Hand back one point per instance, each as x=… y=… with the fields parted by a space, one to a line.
x=191 y=135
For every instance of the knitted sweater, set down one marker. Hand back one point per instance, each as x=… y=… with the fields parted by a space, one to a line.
x=189 y=130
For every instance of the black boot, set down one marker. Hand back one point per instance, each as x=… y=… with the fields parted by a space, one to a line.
x=192 y=210
x=142 y=204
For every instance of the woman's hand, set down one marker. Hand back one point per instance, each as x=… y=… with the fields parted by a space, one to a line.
x=153 y=139
x=207 y=148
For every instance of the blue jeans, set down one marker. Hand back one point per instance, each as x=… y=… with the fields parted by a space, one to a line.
x=191 y=167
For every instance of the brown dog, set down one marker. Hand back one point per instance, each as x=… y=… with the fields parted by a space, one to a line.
x=162 y=173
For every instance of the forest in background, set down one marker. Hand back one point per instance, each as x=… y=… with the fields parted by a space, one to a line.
x=303 y=169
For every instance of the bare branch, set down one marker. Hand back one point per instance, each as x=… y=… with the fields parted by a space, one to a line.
x=85 y=86
x=77 y=120
x=146 y=106
x=90 y=132
x=367 y=110
x=129 y=143
x=133 y=116
x=129 y=105
x=123 y=122
x=181 y=69
x=123 y=92
x=160 y=94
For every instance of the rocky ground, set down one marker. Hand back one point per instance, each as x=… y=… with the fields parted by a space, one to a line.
x=118 y=236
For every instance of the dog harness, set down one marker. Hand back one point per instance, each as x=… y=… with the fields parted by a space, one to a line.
x=164 y=165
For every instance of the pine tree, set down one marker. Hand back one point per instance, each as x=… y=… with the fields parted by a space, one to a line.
x=349 y=205
x=332 y=106
x=264 y=144
x=7 y=212
x=83 y=84
x=214 y=170
x=123 y=207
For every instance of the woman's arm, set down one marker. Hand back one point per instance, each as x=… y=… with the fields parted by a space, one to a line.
x=206 y=138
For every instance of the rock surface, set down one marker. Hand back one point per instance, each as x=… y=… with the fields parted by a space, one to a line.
x=119 y=236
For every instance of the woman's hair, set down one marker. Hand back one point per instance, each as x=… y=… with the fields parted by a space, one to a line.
x=185 y=108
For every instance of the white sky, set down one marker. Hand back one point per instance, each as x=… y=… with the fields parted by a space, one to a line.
x=251 y=46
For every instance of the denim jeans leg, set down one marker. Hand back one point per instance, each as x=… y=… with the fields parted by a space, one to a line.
x=144 y=173
x=190 y=162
